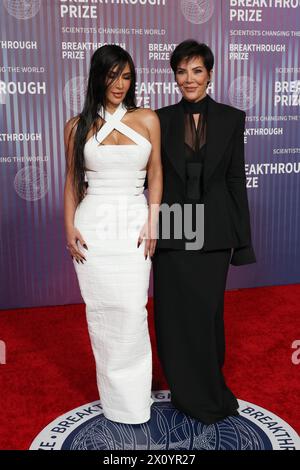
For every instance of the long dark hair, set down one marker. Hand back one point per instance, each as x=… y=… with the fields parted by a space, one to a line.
x=102 y=62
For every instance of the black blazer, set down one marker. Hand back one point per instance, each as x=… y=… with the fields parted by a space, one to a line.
x=226 y=210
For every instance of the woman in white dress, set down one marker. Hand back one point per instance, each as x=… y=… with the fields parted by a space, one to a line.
x=110 y=228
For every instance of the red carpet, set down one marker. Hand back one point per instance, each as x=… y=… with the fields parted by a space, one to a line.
x=50 y=367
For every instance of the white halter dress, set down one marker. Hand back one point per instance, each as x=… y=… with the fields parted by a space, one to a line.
x=114 y=280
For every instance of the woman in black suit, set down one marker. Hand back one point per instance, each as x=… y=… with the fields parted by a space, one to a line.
x=203 y=162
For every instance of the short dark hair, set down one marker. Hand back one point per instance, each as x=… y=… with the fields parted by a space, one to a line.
x=189 y=49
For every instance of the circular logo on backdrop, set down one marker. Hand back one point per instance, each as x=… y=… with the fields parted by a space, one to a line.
x=197 y=11
x=86 y=428
x=31 y=182
x=243 y=92
x=74 y=92
x=22 y=9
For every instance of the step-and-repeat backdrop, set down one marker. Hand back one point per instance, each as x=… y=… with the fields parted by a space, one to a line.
x=46 y=47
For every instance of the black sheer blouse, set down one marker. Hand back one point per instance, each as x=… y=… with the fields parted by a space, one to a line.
x=195 y=147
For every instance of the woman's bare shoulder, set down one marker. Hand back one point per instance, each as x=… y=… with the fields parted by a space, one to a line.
x=70 y=129
x=71 y=124
x=148 y=115
x=145 y=112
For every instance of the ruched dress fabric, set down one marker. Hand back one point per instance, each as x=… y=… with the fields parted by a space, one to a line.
x=114 y=279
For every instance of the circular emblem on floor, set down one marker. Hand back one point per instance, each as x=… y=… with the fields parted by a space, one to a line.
x=86 y=428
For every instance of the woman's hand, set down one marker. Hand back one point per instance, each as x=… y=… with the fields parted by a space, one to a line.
x=73 y=236
x=148 y=232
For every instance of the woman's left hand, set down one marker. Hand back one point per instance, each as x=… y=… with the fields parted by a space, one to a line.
x=148 y=232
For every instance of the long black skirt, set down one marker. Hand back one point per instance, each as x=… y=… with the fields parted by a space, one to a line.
x=188 y=300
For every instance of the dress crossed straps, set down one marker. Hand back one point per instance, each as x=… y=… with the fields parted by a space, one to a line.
x=113 y=121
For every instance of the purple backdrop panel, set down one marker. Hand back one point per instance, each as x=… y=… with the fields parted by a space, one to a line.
x=46 y=47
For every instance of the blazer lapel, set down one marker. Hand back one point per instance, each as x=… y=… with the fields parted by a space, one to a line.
x=174 y=140
x=219 y=131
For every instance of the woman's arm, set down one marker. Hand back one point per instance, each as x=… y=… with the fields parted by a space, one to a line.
x=70 y=197
x=155 y=182
x=236 y=182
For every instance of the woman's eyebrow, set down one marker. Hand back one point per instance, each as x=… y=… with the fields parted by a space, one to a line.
x=197 y=67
